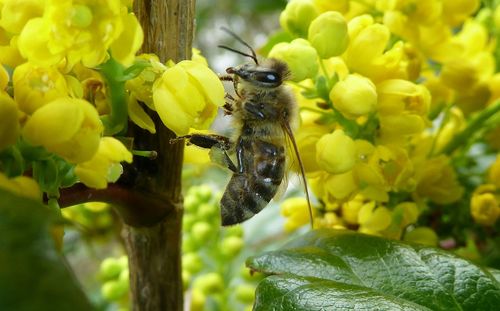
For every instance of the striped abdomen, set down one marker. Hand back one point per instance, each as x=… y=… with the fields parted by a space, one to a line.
x=260 y=172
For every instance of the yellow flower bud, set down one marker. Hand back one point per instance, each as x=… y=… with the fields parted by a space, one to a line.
x=21 y=185
x=69 y=127
x=296 y=212
x=484 y=205
x=36 y=86
x=300 y=56
x=98 y=171
x=335 y=152
x=328 y=34
x=209 y=283
x=187 y=96
x=408 y=213
x=297 y=16
x=9 y=123
x=422 y=235
x=354 y=96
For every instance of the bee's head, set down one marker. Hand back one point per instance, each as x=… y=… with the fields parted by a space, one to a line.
x=271 y=74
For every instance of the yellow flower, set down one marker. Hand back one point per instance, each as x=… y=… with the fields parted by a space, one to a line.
x=77 y=31
x=33 y=43
x=456 y=11
x=335 y=152
x=403 y=108
x=21 y=185
x=327 y=5
x=187 y=96
x=351 y=208
x=105 y=165
x=140 y=86
x=418 y=12
x=369 y=170
x=332 y=188
x=354 y=96
x=9 y=123
x=35 y=86
x=68 y=127
x=367 y=42
x=15 y=13
x=307 y=136
x=437 y=180
x=137 y=115
x=300 y=56
x=373 y=219
x=484 y=205
x=297 y=16
x=129 y=41
x=329 y=220
x=328 y=34
x=196 y=56
x=296 y=212
x=453 y=125
x=9 y=52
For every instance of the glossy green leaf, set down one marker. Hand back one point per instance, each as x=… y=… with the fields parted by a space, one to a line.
x=344 y=270
x=32 y=274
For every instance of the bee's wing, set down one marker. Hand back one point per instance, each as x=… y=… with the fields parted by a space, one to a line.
x=282 y=188
x=293 y=153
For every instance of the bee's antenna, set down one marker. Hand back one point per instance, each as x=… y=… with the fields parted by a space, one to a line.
x=239 y=52
x=253 y=56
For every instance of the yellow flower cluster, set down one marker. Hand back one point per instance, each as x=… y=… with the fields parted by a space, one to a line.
x=185 y=95
x=63 y=65
x=54 y=100
x=385 y=87
x=66 y=32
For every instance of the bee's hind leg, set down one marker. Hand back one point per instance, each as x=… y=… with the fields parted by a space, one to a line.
x=219 y=146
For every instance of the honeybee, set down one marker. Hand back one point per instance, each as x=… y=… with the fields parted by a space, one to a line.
x=263 y=110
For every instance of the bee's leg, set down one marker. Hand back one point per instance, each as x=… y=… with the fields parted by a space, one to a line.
x=228 y=107
x=218 y=145
x=231 y=78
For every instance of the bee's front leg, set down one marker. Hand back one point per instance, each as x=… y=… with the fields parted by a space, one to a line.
x=228 y=106
x=216 y=144
x=232 y=78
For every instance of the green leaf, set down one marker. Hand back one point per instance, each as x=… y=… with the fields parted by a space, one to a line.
x=32 y=274
x=333 y=270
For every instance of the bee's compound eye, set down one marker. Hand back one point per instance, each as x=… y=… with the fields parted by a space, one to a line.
x=267 y=77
